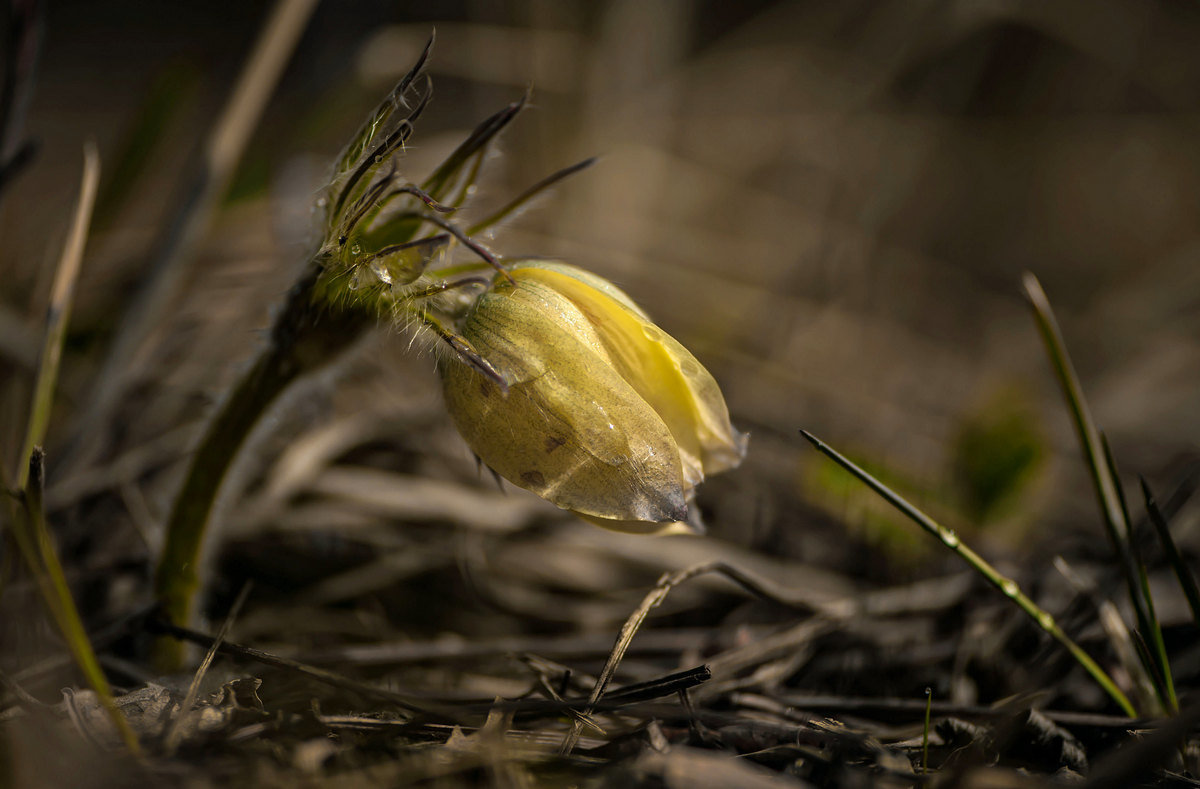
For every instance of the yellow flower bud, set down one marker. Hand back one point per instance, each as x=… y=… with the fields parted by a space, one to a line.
x=604 y=414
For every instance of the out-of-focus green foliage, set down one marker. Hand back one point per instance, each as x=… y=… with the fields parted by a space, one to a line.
x=996 y=454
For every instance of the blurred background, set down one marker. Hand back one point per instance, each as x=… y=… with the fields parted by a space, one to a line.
x=831 y=204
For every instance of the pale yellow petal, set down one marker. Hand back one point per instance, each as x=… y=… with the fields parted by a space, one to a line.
x=586 y=277
x=570 y=429
x=662 y=371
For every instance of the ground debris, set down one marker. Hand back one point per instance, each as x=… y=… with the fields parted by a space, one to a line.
x=151 y=709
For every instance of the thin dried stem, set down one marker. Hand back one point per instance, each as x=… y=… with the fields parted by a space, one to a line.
x=62 y=296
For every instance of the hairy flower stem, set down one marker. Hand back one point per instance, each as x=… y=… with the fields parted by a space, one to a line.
x=306 y=335
x=377 y=246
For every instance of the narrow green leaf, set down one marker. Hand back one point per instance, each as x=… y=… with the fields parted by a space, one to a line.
x=529 y=194
x=376 y=122
x=1107 y=488
x=441 y=182
x=1155 y=649
x=1085 y=427
x=1008 y=587
x=52 y=581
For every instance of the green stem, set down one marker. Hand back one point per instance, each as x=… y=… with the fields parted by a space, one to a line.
x=177 y=578
x=305 y=336
x=1007 y=586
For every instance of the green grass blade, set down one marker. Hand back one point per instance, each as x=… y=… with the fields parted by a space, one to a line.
x=59 y=312
x=1151 y=631
x=1108 y=491
x=28 y=520
x=1187 y=581
x=1085 y=427
x=38 y=549
x=1007 y=586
